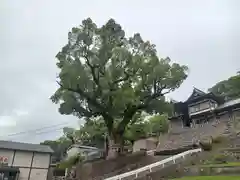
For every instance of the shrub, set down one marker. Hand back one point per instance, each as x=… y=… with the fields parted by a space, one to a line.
x=220 y=158
x=171 y=152
x=217 y=140
x=71 y=161
x=206 y=146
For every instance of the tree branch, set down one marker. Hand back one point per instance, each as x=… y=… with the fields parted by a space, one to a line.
x=128 y=115
x=127 y=76
x=107 y=118
x=82 y=111
x=92 y=68
x=90 y=100
x=130 y=111
x=149 y=98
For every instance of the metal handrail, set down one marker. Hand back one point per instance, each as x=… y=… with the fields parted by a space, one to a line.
x=150 y=166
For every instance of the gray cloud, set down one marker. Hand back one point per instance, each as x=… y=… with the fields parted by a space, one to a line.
x=203 y=35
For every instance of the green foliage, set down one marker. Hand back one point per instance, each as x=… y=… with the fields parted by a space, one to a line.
x=59 y=147
x=136 y=131
x=68 y=163
x=206 y=146
x=216 y=159
x=217 y=140
x=92 y=132
x=103 y=73
x=158 y=124
x=229 y=89
x=69 y=133
x=220 y=158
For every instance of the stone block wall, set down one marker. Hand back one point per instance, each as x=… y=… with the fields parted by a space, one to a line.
x=107 y=168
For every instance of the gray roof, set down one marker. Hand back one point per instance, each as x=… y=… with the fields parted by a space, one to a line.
x=229 y=103
x=25 y=147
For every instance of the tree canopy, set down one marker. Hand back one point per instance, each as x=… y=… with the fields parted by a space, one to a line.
x=93 y=133
x=158 y=124
x=229 y=89
x=104 y=73
x=59 y=147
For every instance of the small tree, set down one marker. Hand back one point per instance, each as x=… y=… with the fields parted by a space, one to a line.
x=71 y=161
x=103 y=73
x=158 y=124
x=136 y=130
x=59 y=147
x=93 y=132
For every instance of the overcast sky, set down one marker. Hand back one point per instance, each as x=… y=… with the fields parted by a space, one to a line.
x=203 y=34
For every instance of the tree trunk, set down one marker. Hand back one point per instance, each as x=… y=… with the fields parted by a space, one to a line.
x=115 y=139
x=115 y=146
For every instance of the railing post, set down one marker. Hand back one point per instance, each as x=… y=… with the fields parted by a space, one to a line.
x=174 y=160
x=136 y=174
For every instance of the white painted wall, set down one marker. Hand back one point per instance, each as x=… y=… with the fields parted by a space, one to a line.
x=24 y=159
x=199 y=107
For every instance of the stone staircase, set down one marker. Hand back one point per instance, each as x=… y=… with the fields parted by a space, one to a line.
x=189 y=136
x=229 y=128
x=158 y=166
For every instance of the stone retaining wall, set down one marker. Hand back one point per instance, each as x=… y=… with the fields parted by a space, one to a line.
x=171 y=170
x=210 y=171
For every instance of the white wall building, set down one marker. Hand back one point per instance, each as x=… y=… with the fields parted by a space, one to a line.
x=22 y=161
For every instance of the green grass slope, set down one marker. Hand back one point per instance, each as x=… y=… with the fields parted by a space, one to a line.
x=210 y=178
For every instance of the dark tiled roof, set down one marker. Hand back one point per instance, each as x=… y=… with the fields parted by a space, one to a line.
x=25 y=146
x=196 y=92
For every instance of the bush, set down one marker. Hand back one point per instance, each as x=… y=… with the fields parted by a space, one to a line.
x=206 y=146
x=71 y=161
x=220 y=159
x=217 y=140
x=171 y=152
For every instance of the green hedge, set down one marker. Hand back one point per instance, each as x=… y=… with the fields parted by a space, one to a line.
x=217 y=140
x=206 y=146
x=170 y=152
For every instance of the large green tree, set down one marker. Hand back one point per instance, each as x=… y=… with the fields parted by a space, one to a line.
x=104 y=73
x=229 y=89
x=93 y=132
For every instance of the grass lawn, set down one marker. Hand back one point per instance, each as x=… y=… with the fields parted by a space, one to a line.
x=210 y=178
x=229 y=164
